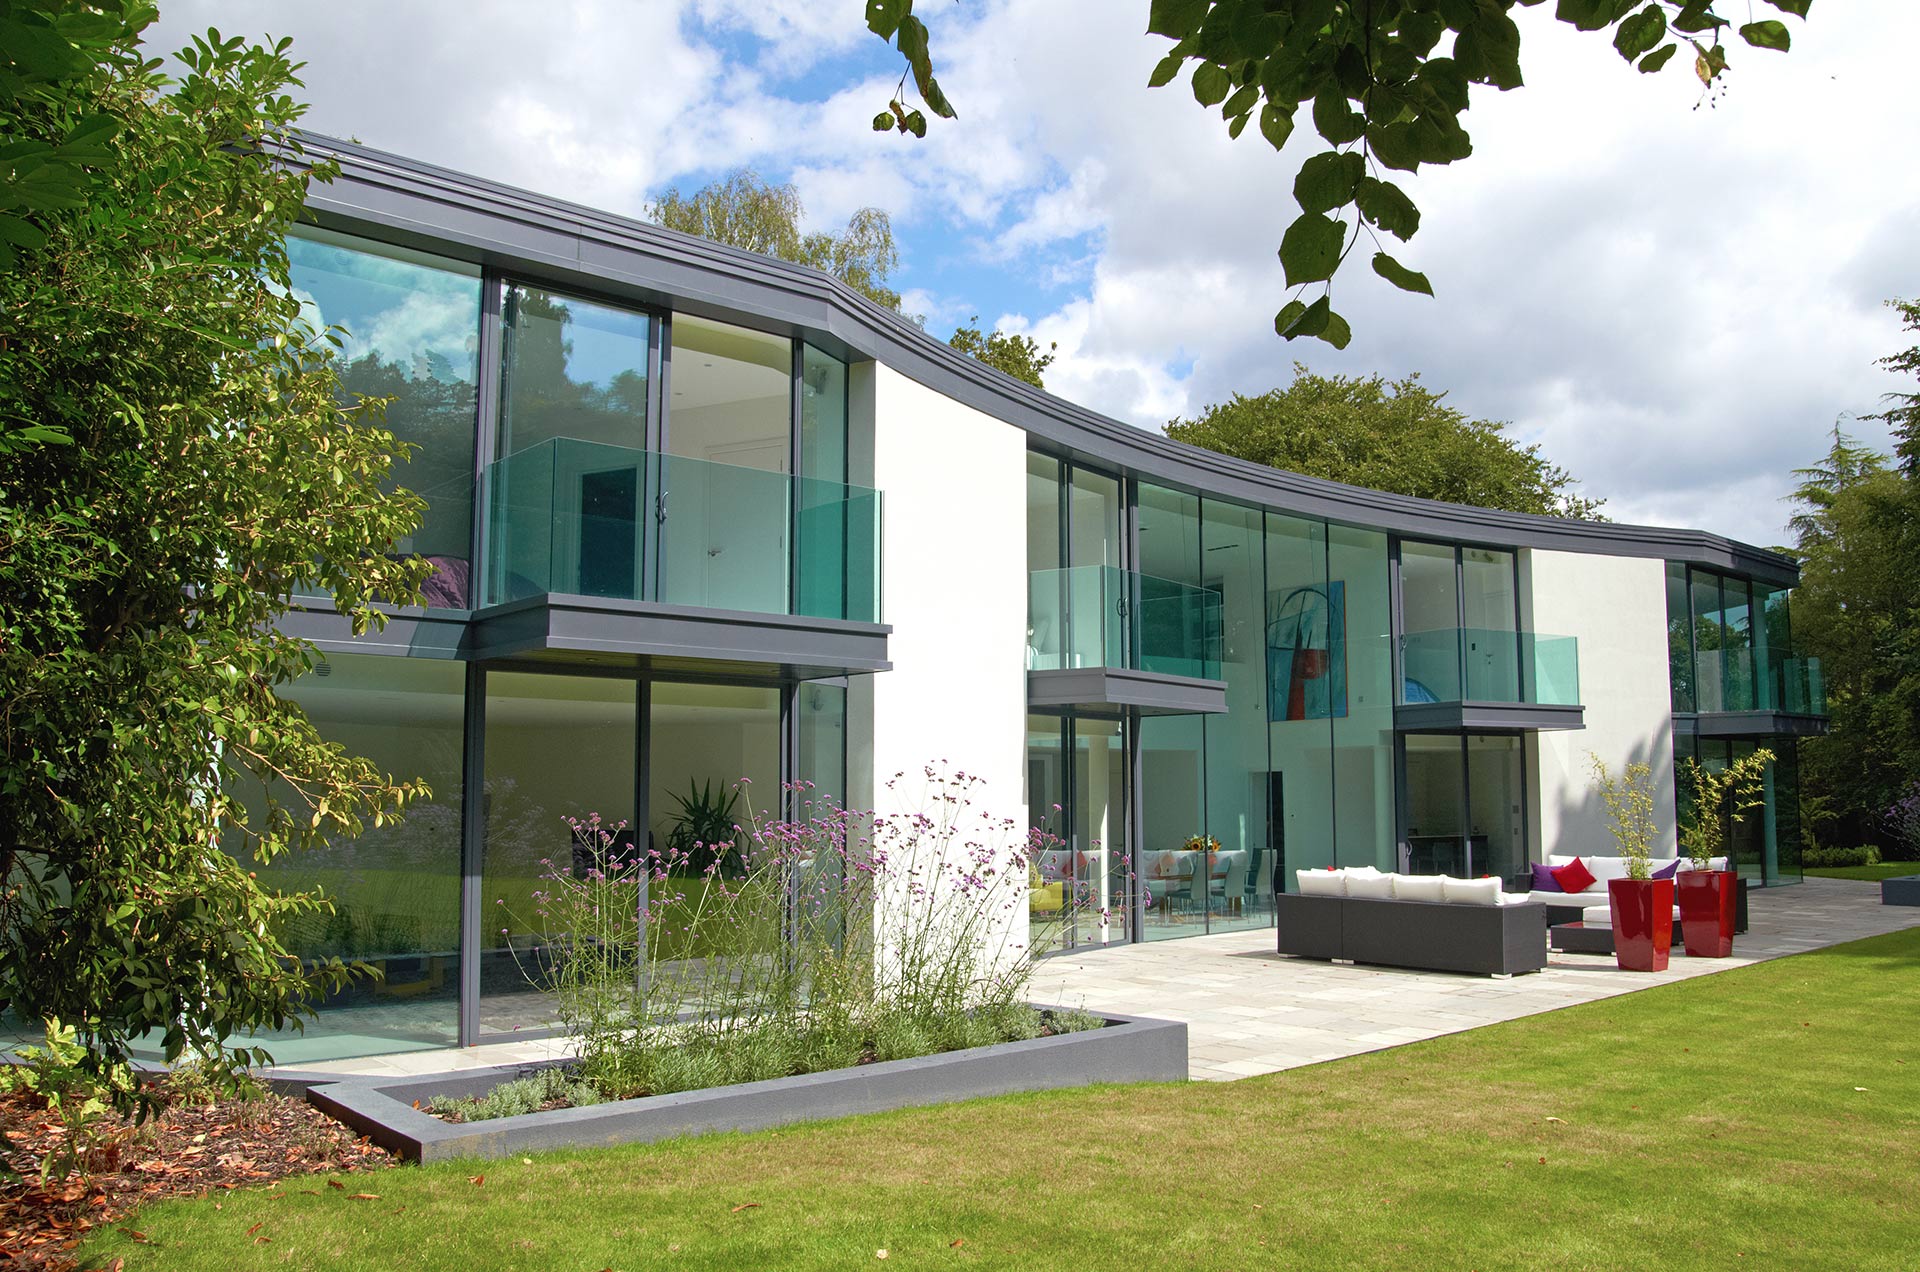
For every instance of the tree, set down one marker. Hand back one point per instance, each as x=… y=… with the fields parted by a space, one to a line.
x=1857 y=535
x=1017 y=355
x=210 y=471
x=1399 y=437
x=1386 y=83
x=743 y=210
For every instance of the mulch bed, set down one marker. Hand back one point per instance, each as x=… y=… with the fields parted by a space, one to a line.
x=188 y=1150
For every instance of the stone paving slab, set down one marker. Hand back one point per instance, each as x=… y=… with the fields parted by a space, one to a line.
x=1250 y=1011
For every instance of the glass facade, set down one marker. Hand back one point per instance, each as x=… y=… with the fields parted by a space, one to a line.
x=412 y=325
x=396 y=888
x=1763 y=846
x=1730 y=647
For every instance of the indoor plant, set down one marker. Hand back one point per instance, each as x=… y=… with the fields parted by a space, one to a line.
x=1642 y=906
x=1721 y=796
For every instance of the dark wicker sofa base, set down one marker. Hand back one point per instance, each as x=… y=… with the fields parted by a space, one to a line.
x=1430 y=935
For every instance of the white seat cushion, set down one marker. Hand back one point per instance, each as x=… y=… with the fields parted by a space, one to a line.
x=1471 y=891
x=1321 y=883
x=1370 y=883
x=1418 y=888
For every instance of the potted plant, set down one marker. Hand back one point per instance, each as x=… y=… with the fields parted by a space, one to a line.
x=1642 y=906
x=1721 y=796
x=702 y=837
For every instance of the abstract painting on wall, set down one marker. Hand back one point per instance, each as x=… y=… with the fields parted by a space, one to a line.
x=1307 y=653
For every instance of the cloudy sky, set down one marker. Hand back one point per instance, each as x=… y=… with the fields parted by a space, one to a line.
x=1676 y=299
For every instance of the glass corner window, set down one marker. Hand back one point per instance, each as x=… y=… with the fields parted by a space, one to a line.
x=412 y=336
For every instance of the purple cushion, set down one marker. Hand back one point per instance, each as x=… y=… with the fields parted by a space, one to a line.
x=1667 y=871
x=1543 y=880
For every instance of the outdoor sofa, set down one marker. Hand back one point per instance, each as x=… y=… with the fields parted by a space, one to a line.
x=1428 y=922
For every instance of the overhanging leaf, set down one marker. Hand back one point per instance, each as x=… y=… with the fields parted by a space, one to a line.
x=1175 y=18
x=1210 y=84
x=1796 y=7
x=1336 y=119
x=1276 y=125
x=883 y=16
x=1641 y=32
x=1658 y=58
x=1165 y=70
x=1306 y=320
x=1328 y=180
x=1310 y=249
x=1770 y=34
x=1384 y=204
x=1400 y=276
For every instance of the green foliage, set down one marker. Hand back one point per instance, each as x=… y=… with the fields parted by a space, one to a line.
x=549 y=1088
x=211 y=473
x=1386 y=84
x=705 y=832
x=81 y=1101
x=1720 y=797
x=1399 y=437
x=1628 y=799
x=743 y=210
x=1019 y=356
x=1829 y=858
x=1857 y=534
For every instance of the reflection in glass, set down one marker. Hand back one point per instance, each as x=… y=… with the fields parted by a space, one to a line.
x=1363 y=738
x=732 y=399
x=556 y=747
x=1306 y=690
x=413 y=336
x=1239 y=882
x=1173 y=864
x=396 y=888
x=1679 y=637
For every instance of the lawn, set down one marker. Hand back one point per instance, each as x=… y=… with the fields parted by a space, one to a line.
x=1873 y=873
x=1767 y=1118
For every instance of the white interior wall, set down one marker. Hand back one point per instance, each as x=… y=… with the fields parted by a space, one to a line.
x=954 y=592
x=1617 y=608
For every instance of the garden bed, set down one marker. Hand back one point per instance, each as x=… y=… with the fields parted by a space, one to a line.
x=1125 y=1049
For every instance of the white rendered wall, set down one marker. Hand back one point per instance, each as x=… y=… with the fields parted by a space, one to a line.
x=954 y=589
x=1617 y=608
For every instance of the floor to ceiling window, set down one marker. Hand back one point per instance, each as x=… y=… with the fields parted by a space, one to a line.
x=1363 y=802
x=557 y=747
x=1307 y=654
x=412 y=337
x=395 y=888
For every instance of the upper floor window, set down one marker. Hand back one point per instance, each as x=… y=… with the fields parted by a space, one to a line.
x=412 y=325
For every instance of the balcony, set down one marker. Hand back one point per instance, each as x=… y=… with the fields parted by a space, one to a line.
x=1744 y=693
x=1101 y=639
x=730 y=565
x=1454 y=678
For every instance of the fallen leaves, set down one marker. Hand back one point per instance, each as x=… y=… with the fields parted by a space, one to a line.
x=745 y=1205
x=186 y=1151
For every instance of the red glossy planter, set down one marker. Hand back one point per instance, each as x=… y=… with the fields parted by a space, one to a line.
x=1642 y=923
x=1706 y=912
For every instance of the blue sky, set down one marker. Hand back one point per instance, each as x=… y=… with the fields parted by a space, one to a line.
x=1674 y=303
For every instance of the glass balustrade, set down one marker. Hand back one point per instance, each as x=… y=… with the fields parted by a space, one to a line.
x=1467 y=664
x=1734 y=680
x=1099 y=616
x=580 y=518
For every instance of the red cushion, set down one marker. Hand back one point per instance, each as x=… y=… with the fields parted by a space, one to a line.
x=1573 y=877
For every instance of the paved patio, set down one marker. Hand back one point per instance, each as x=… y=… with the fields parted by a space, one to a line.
x=1250 y=1011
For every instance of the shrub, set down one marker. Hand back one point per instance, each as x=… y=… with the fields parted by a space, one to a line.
x=1818 y=858
x=548 y=1088
x=822 y=942
x=1903 y=826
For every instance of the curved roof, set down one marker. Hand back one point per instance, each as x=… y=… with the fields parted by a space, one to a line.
x=417 y=204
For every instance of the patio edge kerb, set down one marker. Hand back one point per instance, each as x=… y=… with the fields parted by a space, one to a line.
x=1128 y=1049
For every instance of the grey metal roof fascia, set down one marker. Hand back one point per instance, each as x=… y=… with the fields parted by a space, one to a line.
x=508 y=228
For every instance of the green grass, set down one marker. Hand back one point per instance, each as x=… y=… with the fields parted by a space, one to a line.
x=1875 y=873
x=1714 y=1123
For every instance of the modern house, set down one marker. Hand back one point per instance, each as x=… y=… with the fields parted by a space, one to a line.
x=699 y=516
